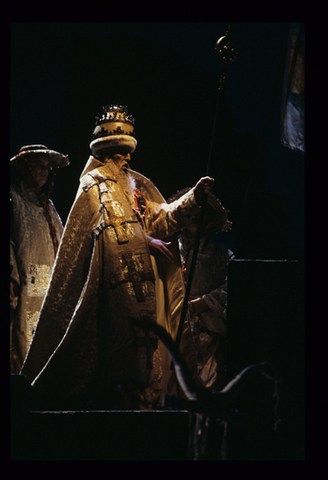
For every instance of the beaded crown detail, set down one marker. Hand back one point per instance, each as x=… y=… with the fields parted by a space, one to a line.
x=115 y=114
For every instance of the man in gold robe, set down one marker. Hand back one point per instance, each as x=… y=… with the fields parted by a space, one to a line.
x=85 y=352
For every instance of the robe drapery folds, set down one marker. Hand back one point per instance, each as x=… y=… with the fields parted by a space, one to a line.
x=210 y=282
x=104 y=274
x=31 y=260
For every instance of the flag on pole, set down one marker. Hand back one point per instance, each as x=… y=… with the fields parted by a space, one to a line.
x=293 y=108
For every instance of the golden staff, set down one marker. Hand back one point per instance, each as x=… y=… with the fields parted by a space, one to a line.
x=226 y=49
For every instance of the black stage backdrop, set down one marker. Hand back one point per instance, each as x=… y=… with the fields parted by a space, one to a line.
x=167 y=73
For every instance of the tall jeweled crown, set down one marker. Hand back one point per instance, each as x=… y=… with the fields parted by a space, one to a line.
x=114 y=127
x=114 y=113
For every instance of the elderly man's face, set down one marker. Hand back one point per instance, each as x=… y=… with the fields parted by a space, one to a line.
x=121 y=157
x=40 y=167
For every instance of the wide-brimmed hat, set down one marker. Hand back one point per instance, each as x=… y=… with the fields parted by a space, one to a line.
x=114 y=128
x=216 y=216
x=57 y=159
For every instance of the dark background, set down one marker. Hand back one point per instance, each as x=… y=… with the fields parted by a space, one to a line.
x=167 y=73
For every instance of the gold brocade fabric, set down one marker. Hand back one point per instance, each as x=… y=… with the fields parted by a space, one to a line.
x=84 y=346
x=210 y=282
x=31 y=262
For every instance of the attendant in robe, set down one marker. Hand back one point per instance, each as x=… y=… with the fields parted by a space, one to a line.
x=208 y=293
x=35 y=232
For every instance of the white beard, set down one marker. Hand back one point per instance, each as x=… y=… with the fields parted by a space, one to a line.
x=124 y=179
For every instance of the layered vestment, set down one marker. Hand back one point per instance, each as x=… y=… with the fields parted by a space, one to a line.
x=209 y=328
x=85 y=352
x=32 y=257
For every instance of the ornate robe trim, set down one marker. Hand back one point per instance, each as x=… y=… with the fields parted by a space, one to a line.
x=38 y=278
x=87 y=183
x=31 y=322
x=112 y=213
x=94 y=178
x=137 y=276
x=119 y=224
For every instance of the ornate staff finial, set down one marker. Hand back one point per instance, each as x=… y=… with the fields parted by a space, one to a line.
x=227 y=52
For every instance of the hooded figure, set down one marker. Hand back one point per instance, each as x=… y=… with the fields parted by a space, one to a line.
x=85 y=352
x=208 y=293
x=35 y=233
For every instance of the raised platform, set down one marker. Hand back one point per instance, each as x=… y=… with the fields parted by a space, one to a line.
x=265 y=323
x=94 y=435
x=101 y=435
